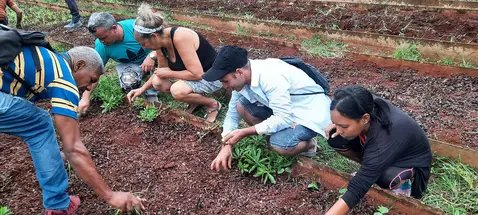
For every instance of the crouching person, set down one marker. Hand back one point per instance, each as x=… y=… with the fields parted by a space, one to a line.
x=391 y=147
x=59 y=79
x=274 y=98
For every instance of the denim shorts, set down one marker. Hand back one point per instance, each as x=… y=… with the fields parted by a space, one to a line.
x=285 y=139
x=204 y=87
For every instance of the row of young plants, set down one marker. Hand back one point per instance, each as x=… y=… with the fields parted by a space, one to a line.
x=453 y=186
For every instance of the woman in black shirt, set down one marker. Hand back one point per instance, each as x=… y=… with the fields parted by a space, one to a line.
x=183 y=56
x=390 y=146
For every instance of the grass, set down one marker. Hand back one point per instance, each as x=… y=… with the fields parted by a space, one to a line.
x=61 y=47
x=446 y=61
x=453 y=187
x=407 y=52
x=34 y=16
x=328 y=156
x=243 y=31
x=4 y=210
x=466 y=64
x=316 y=46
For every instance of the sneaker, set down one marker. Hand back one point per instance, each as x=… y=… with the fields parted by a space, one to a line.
x=312 y=152
x=405 y=189
x=74 y=203
x=73 y=25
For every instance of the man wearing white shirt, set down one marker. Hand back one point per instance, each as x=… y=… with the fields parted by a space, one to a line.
x=274 y=98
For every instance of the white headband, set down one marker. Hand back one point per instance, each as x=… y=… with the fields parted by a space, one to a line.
x=144 y=30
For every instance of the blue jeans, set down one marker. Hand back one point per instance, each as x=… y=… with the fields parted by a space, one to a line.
x=22 y=118
x=285 y=139
x=75 y=13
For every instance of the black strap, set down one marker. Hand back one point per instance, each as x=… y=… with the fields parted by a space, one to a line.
x=36 y=58
x=17 y=77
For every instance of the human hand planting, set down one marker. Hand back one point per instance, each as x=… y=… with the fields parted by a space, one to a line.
x=134 y=93
x=233 y=137
x=223 y=160
x=126 y=201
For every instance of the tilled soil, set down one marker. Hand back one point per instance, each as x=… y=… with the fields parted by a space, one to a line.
x=163 y=162
x=437 y=24
x=446 y=107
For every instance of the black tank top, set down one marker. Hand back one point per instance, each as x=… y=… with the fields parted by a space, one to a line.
x=205 y=52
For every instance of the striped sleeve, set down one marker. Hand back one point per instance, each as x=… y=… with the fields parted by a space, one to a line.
x=64 y=98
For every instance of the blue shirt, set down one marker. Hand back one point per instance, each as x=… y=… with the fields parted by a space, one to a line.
x=272 y=83
x=126 y=51
x=54 y=82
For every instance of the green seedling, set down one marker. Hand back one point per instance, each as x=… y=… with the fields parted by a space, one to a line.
x=149 y=113
x=407 y=52
x=381 y=210
x=313 y=186
x=4 y=210
x=139 y=103
x=109 y=92
x=254 y=159
x=241 y=30
x=328 y=49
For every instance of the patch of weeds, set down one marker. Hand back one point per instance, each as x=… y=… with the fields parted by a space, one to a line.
x=465 y=63
x=254 y=159
x=109 y=92
x=407 y=52
x=4 y=210
x=243 y=31
x=248 y=16
x=34 y=15
x=313 y=186
x=149 y=113
x=61 y=47
x=318 y=47
x=453 y=187
x=329 y=157
x=446 y=61
x=381 y=210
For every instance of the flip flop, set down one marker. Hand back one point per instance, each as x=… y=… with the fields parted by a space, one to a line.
x=191 y=108
x=219 y=106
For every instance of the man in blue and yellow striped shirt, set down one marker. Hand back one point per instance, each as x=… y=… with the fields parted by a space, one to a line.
x=57 y=78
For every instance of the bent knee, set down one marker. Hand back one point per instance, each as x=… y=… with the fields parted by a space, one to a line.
x=179 y=90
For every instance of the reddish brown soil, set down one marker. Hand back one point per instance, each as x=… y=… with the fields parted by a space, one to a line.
x=162 y=162
x=446 y=107
x=445 y=25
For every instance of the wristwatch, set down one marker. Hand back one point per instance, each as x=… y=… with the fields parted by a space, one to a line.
x=153 y=56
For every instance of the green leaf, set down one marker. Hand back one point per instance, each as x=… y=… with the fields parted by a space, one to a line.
x=313 y=186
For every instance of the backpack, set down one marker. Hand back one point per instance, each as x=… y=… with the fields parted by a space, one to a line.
x=311 y=71
x=13 y=41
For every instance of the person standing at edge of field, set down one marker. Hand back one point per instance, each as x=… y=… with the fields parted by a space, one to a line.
x=3 y=12
x=274 y=98
x=76 y=21
x=183 y=55
x=58 y=81
x=391 y=147
x=115 y=40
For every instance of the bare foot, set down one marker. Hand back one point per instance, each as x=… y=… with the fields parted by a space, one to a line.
x=212 y=112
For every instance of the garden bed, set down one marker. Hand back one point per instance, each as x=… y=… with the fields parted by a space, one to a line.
x=163 y=162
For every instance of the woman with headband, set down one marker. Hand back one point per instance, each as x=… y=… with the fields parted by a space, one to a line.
x=392 y=149
x=182 y=55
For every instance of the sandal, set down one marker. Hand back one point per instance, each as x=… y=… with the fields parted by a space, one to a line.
x=216 y=110
x=191 y=108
